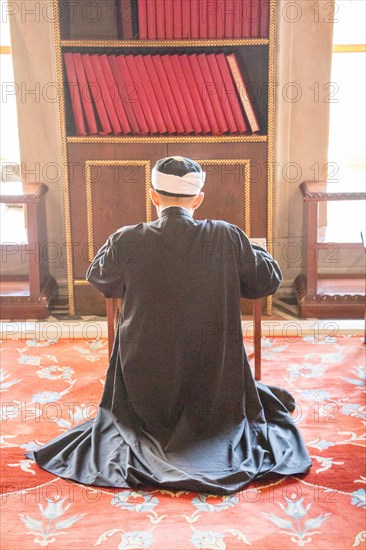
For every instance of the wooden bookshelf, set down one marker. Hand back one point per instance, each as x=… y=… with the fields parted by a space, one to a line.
x=106 y=178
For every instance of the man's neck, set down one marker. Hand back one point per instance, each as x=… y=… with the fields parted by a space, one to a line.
x=190 y=211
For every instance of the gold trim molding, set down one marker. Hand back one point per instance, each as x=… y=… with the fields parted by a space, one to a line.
x=170 y=139
x=88 y=192
x=164 y=43
x=246 y=182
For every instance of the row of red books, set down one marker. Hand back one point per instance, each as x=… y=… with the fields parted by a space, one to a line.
x=158 y=94
x=181 y=19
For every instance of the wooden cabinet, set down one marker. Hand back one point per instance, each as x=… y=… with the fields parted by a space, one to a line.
x=106 y=178
x=27 y=297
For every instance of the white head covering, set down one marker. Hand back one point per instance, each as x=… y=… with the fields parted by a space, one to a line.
x=178 y=176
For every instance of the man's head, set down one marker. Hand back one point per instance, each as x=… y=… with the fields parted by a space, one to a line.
x=177 y=181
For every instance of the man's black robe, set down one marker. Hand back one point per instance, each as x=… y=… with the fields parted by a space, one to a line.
x=180 y=408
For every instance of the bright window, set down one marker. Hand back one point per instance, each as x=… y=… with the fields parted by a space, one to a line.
x=346 y=152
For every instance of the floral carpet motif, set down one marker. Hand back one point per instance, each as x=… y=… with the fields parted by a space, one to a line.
x=49 y=386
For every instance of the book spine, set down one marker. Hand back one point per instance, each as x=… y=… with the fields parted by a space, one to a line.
x=142 y=18
x=160 y=97
x=75 y=95
x=203 y=22
x=122 y=91
x=238 y=19
x=196 y=97
x=264 y=23
x=188 y=127
x=229 y=19
x=115 y=97
x=95 y=61
x=150 y=94
x=231 y=92
x=201 y=84
x=243 y=92
x=247 y=17
x=177 y=18
x=140 y=89
x=195 y=18
x=169 y=24
x=220 y=20
x=186 y=19
x=160 y=19
x=255 y=19
x=164 y=81
x=211 y=18
x=131 y=92
x=125 y=19
x=86 y=97
x=186 y=94
x=96 y=94
x=222 y=95
x=212 y=92
x=151 y=19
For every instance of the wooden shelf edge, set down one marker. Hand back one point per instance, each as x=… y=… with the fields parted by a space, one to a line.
x=193 y=43
x=170 y=139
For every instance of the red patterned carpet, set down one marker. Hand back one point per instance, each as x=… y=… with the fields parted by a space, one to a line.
x=48 y=387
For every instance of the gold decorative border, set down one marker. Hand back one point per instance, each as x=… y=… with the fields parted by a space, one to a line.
x=88 y=193
x=246 y=164
x=270 y=133
x=170 y=139
x=164 y=43
x=63 y=142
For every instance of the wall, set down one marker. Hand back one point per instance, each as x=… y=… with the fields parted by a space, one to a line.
x=303 y=59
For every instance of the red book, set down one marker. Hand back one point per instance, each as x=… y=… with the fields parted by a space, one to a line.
x=238 y=19
x=96 y=94
x=165 y=111
x=160 y=19
x=177 y=18
x=175 y=85
x=132 y=96
x=264 y=22
x=77 y=107
x=212 y=91
x=184 y=86
x=223 y=98
x=164 y=81
x=195 y=93
x=201 y=84
x=255 y=19
x=203 y=22
x=169 y=25
x=142 y=18
x=229 y=19
x=125 y=19
x=114 y=93
x=211 y=18
x=247 y=17
x=151 y=19
x=108 y=102
x=220 y=19
x=186 y=19
x=123 y=95
x=150 y=94
x=141 y=94
x=195 y=18
x=243 y=92
x=231 y=92
x=86 y=97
